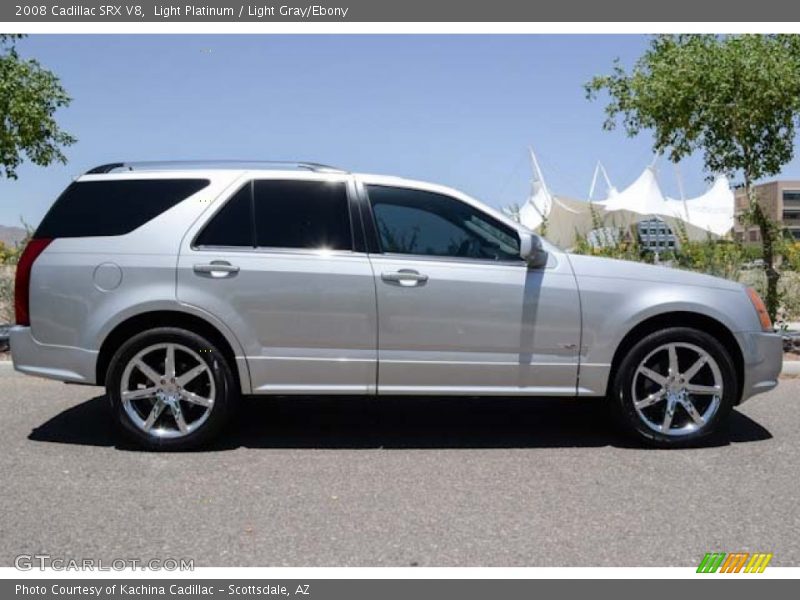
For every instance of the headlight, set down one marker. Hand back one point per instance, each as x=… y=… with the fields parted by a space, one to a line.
x=761 y=309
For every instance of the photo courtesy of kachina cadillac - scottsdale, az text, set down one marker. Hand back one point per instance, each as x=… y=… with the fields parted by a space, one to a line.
x=428 y=303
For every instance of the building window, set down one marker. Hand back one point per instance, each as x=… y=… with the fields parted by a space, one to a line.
x=753 y=235
x=656 y=235
x=791 y=199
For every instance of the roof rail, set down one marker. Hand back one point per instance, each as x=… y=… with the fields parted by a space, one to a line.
x=199 y=164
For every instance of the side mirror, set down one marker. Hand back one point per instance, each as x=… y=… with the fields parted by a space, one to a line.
x=531 y=250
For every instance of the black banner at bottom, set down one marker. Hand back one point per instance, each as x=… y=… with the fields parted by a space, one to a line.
x=393 y=589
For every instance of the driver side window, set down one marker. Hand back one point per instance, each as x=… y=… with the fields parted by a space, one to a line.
x=426 y=223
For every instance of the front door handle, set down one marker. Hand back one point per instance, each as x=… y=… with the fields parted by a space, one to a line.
x=216 y=268
x=405 y=277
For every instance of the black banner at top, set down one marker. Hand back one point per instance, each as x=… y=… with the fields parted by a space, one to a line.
x=399 y=11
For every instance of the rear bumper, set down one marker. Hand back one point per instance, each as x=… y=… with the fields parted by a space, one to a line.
x=64 y=363
x=763 y=360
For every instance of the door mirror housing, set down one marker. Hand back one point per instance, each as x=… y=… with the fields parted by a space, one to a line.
x=532 y=251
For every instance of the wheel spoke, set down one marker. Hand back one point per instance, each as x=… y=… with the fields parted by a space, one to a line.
x=695 y=369
x=690 y=408
x=148 y=372
x=694 y=388
x=156 y=411
x=139 y=394
x=196 y=398
x=177 y=413
x=652 y=375
x=668 y=414
x=190 y=375
x=654 y=398
x=673 y=360
x=169 y=362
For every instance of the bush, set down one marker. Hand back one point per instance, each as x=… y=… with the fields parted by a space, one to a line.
x=6 y=294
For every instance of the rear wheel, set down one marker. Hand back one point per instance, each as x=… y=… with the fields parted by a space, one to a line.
x=675 y=387
x=171 y=389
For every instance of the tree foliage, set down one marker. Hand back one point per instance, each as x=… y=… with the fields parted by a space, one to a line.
x=30 y=95
x=734 y=98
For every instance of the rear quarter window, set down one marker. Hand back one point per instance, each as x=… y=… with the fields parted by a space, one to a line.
x=114 y=207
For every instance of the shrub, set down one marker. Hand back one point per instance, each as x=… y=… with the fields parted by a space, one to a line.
x=6 y=294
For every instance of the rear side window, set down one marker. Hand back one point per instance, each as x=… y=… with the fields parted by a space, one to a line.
x=272 y=213
x=114 y=207
x=302 y=214
x=232 y=225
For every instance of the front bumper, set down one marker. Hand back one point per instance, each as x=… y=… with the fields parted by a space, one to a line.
x=64 y=363
x=763 y=361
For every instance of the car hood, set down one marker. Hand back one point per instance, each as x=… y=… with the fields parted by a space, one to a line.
x=609 y=268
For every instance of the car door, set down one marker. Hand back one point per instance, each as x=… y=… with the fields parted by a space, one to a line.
x=459 y=312
x=277 y=264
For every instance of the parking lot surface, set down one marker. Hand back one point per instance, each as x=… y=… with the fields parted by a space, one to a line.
x=395 y=482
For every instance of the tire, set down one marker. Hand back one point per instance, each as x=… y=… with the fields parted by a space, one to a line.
x=166 y=413
x=701 y=396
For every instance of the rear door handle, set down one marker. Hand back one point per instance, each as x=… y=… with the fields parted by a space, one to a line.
x=216 y=268
x=405 y=277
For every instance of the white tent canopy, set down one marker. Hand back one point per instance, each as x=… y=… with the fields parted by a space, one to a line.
x=533 y=213
x=711 y=212
x=643 y=197
x=536 y=209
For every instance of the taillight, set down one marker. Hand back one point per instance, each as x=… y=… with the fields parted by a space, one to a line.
x=23 y=279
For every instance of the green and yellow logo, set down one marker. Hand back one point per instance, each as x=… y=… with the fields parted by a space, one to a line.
x=736 y=562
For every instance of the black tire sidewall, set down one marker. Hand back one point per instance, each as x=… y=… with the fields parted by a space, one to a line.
x=224 y=403
x=622 y=401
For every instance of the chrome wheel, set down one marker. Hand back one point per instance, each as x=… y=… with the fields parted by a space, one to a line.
x=167 y=390
x=677 y=389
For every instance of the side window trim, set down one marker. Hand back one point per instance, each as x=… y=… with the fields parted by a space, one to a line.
x=368 y=220
x=374 y=244
x=356 y=220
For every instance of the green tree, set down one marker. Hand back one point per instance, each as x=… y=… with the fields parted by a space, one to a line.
x=735 y=98
x=29 y=97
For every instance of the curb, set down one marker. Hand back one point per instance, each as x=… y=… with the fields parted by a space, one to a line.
x=791 y=368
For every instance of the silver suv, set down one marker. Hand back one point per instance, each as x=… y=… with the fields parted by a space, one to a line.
x=181 y=286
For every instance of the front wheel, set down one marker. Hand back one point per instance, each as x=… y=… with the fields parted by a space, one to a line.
x=675 y=387
x=171 y=389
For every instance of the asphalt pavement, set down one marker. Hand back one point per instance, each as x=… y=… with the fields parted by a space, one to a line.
x=395 y=482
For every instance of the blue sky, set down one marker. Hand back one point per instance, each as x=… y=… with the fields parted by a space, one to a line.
x=458 y=110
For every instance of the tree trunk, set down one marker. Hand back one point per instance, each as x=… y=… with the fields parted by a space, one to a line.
x=769 y=233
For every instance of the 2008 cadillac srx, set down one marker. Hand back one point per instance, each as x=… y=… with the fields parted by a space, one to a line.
x=182 y=286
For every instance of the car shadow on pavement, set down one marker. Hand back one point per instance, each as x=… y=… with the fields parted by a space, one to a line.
x=393 y=423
